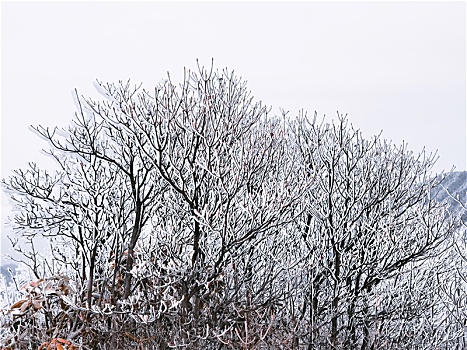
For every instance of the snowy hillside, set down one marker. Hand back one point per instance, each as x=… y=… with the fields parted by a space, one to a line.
x=455 y=192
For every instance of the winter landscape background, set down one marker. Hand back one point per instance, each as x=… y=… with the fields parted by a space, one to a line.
x=393 y=67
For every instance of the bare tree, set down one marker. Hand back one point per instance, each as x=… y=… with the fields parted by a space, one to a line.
x=174 y=204
x=370 y=225
x=96 y=206
x=189 y=217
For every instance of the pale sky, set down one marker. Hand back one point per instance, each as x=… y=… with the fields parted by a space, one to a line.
x=399 y=67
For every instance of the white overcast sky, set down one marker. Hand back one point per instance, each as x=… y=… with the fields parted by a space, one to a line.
x=399 y=67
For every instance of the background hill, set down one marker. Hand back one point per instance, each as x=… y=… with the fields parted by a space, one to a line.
x=454 y=192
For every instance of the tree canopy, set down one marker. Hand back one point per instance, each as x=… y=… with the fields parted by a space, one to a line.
x=188 y=216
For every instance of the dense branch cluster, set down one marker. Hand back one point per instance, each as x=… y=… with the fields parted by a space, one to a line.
x=189 y=217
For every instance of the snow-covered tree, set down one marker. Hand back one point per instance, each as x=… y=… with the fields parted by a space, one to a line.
x=187 y=216
x=170 y=210
x=370 y=230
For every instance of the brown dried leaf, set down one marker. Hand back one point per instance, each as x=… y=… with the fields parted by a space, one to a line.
x=18 y=304
x=63 y=341
x=25 y=306
x=37 y=303
x=32 y=284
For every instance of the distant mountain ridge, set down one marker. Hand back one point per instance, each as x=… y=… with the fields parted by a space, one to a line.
x=454 y=192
